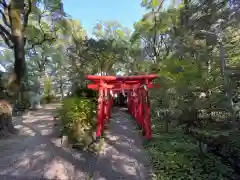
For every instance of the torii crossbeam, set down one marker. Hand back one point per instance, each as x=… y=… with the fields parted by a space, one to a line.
x=136 y=88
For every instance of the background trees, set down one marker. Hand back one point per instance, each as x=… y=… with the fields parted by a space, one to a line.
x=192 y=45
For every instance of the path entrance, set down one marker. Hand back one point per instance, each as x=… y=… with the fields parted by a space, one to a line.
x=36 y=153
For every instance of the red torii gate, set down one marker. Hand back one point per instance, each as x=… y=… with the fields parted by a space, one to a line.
x=136 y=88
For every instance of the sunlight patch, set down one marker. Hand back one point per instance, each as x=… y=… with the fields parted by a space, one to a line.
x=56 y=170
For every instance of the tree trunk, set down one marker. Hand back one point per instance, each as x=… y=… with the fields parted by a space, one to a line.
x=18 y=41
x=15 y=9
x=6 y=125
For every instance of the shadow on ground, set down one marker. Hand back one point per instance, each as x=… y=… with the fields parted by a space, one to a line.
x=36 y=154
x=124 y=145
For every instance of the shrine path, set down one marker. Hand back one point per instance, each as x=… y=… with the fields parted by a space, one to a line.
x=37 y=154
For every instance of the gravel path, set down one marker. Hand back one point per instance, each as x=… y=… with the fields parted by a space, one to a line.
x=36 y=154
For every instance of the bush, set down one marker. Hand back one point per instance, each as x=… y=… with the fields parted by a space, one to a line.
x=48 y=99
x=22 y=104
x=85 y=92
x=77 y=118
x=175 y=155
x=48 y=96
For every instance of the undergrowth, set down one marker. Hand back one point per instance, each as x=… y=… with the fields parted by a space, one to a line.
x=176 y=156
x=77 y=118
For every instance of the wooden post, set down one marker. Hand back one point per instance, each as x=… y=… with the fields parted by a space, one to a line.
x=138 y=100
x=100 y=112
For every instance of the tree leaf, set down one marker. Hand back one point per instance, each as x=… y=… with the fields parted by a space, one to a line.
x=155 y=3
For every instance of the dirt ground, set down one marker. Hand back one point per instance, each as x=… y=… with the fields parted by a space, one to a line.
x=37 y=154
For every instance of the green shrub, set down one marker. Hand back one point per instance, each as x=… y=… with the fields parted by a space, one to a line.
x=47 y=99
x=176 y=156
x=48 y=96
x=85 y=92
x=77 y=118
x=24 y=103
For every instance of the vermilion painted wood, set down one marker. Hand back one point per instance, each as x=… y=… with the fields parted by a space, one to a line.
x=100 y=113
x=121 y=78
x=119 y=81
x=138 y=100
x=121 y=86
x=141 y=108
x=96 y=86
x=114 y=86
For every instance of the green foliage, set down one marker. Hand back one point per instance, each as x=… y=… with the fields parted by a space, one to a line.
x=48 y=99
x=177 y=156
x=47 y=92
x=22 y=104
x=85 y=92
x=170 y=42
x=77 y=117
x=192 y=91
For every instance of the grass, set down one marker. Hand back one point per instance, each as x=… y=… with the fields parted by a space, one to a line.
x=176 y=156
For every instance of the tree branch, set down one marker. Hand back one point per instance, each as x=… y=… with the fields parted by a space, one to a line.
x=4 y=33
x=45 y=38
x=6 y=36
x=26 y=15
x=3 y=3
x=4 y=18
x=6 y=40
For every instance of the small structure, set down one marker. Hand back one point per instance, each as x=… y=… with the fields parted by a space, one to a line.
x=136 y=90
x=35 y=99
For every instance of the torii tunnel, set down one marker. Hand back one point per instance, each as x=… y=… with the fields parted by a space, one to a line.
x=136 y=90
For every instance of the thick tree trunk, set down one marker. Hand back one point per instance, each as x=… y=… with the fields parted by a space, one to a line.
x=6 y=125
x=15 y=13
x=19 y=64
x=18 y=44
